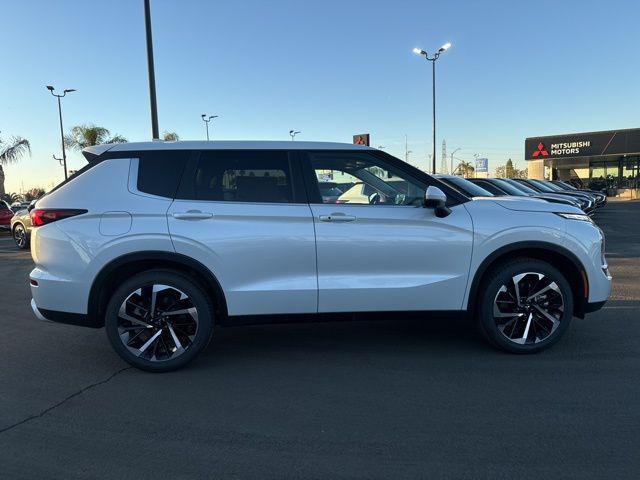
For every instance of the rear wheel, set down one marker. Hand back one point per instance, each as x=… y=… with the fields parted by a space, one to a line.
x=526 y=306
x=159 y=320
x=20 y=236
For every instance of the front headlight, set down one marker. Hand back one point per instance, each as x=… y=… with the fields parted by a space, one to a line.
x=576 y=216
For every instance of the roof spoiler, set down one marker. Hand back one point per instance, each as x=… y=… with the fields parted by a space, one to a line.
x=91 y=154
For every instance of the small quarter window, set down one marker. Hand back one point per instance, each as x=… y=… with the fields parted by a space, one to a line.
x=159 y=172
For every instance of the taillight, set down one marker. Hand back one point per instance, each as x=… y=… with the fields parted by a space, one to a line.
x=40 y=217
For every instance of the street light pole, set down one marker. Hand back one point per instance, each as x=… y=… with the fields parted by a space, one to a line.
x=206 y=122
x=293 y=134
x=452 y=153
x=419 y=51
x=59 y=96
x=152 y=76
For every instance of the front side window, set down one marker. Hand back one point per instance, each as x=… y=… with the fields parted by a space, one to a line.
x=243 y=176
x=358 y=178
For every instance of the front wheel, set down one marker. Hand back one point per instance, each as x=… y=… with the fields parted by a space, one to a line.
x=159 y=320
x=525 y=307
x=20 y=237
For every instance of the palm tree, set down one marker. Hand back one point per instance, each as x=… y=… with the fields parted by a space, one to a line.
x=465 y=169
x=170 y=137
x=11 y=153
x=14 y=150
x=83 y=136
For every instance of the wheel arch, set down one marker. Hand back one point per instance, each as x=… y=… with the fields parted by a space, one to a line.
x=558 y=256
x=110 y=275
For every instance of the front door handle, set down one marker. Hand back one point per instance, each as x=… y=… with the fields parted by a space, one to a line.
x=337 y=217
x=192 y=215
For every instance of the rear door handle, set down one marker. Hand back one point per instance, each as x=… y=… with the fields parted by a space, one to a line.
x=192 y=215
x=337 y=218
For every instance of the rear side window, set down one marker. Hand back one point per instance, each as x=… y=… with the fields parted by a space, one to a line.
x=159 y=172
x=241 y=176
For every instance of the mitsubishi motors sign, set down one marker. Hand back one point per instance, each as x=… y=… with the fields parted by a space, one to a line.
x=590 y=144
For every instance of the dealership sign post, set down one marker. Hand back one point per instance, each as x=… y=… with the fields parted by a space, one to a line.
x=362 y=139
x=482 y=166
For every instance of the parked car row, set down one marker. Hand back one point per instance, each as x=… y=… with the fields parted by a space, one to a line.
x=555 y=191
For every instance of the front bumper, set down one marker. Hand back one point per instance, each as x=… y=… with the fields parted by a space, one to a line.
x=591 y=307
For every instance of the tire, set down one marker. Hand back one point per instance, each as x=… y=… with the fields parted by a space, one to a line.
x=533 y=324
x=171 y=338
x=20 y=236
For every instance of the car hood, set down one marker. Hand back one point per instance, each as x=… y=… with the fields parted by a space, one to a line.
x=524 y=204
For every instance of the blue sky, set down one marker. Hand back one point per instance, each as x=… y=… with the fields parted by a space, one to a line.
x=330 y=69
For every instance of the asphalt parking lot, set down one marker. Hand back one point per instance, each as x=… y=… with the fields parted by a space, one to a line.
x=386 y=399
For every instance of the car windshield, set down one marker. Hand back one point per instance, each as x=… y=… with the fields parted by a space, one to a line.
x=467 y=187
x=553 y=187
x=521 y=186
x=508 y=188
x=563 y=186
x=540 y=186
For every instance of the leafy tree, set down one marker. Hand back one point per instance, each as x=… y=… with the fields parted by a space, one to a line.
x=83 y=136
x=170 y=137
x=501 y=171
x=509 y=170
x=524 y=173
x=34 y=194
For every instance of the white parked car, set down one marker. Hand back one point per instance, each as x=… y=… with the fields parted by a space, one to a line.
x=162 y=243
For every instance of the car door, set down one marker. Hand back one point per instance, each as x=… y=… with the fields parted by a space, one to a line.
x=387 y=252
x=244 y=214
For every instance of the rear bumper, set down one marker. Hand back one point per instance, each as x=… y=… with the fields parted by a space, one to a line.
x=68 y=318
x=36 y=312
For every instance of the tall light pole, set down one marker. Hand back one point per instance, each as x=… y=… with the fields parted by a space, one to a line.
x=452 y=153
x=59 y=96
x=406 y=149
x=155 y=133
x=206 y=122
x=440 y=51
x=293 y=134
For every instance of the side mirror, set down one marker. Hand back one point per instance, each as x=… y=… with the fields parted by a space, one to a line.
x=436 y=199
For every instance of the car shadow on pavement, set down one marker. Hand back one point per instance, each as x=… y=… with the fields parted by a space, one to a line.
x=377 y=338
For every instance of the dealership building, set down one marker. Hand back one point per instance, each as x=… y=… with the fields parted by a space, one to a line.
x=608 y=159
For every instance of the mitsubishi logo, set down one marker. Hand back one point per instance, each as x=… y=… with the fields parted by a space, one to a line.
x=540 y=151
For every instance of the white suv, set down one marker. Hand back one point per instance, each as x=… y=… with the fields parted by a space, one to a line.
x=161 y=243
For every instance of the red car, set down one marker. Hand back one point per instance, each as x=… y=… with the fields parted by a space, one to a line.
x=5 y=216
